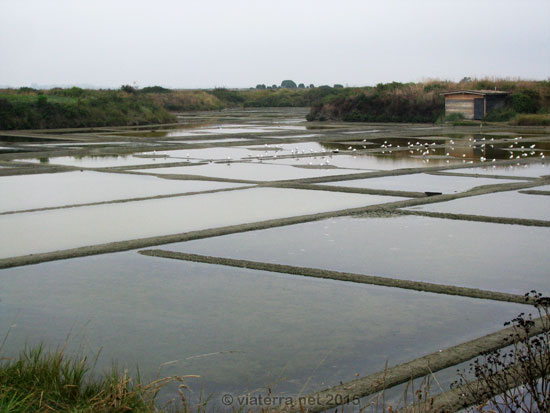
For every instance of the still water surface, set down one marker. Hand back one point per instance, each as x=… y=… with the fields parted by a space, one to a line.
x=509 y=258
x=240 y=330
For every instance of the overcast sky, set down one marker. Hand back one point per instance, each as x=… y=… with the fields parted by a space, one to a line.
x=240 y=43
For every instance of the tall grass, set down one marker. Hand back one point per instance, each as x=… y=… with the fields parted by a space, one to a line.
x=532 y=120
x=40 y=380
x=187 y=100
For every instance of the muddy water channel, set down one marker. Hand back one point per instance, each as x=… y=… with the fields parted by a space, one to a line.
x=257 y=250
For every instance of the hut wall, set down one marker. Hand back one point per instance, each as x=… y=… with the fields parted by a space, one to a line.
x=460 y=103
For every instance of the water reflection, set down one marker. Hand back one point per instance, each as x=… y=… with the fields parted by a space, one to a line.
x=503 y=204
x=472 y=254
x=240 y=330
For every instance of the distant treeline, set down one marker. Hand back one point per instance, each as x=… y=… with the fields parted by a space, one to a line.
x=219 y=98
x=423 y=102
x=27 y=108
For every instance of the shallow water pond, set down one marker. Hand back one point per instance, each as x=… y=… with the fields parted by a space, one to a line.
x=51 y=230
x=532 y=170
x=233 y=152
x=421 y=183
x=511 y=204
x=496 y=257
x=102 y=161
x=193 y=140
x=232 y=129
x=67 y=188
x=240 y=330
x=403 y=160
x=249 y=171
x=243 y=330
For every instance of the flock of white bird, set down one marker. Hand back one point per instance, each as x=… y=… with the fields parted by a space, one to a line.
x=415 y=148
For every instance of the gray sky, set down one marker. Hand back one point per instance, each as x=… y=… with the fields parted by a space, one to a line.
x=240 y=43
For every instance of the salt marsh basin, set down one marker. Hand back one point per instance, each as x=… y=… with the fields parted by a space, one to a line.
x=76 y=219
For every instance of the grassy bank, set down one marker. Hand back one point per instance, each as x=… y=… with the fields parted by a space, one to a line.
x=422 y=102
x=219 y=98
x=528 y=103
x=64 y=108
x=531 y=120
x=27 y=108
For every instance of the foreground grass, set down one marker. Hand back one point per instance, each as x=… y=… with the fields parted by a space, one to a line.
x=38 y=380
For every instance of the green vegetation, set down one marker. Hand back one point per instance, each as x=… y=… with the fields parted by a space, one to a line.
x=422 y=102
x=453 y=117
x=501 y=115
x=187 y=100
x=532 y=120
x=288 y=84
x=27 y=108
x=260 y=96
x=62 y=108
x=50 y=381
x=155 y=89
